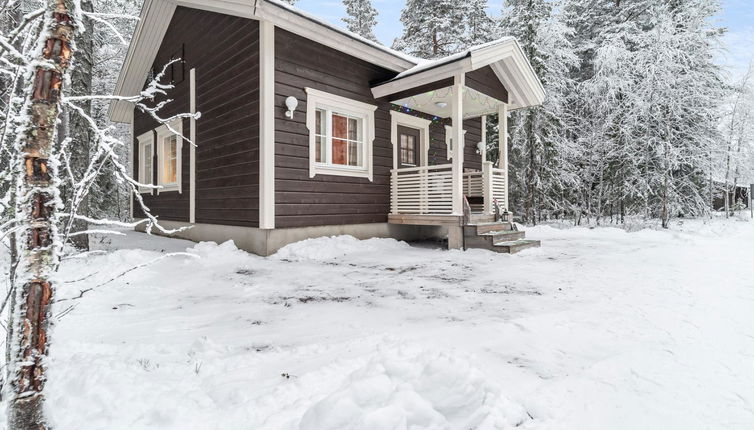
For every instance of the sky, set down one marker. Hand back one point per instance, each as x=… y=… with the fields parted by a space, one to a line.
x=737 y=16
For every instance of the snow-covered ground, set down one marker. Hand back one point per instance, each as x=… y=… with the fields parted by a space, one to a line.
x=598 y=329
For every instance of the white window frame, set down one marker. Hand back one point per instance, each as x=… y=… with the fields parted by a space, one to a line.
x=317 y=99
x=449 y=140
x=406 y=120
x=146 y=139
x=163 y=132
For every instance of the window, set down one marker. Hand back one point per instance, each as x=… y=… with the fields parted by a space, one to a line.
x=169 y=146
x=341 y=134
x=146 y=161
x=408 y=150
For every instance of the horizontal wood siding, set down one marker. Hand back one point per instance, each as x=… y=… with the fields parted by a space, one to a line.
x=325 y=199
x=225 y=52
x=486 y=81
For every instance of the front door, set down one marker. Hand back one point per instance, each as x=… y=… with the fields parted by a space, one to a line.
x=408 y=151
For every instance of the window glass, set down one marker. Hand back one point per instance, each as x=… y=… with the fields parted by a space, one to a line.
x=320 y=136
x=148 y=162
x=345 y=141
x=170 y=170
x=408 y=150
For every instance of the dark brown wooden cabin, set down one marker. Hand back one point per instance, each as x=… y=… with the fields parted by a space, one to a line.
x=308 y=130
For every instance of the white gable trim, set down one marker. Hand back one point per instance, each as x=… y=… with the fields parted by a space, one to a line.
x=506 y=58
x=332 y=37
x=153 y=24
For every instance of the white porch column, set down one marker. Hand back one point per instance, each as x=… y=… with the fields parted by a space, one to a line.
x=458 y=143
x=455 y=233
x=503 y=147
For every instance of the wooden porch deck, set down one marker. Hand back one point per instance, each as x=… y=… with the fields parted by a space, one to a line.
x=418 y=219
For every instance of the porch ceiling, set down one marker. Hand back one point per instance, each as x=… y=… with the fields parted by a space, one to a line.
x=438 y=103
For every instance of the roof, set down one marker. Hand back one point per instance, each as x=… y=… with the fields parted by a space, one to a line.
x=431 y=64
x=157 y=14
x=355 y=36
x=506 y=58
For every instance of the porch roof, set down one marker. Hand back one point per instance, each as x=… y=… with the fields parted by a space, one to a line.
x=425 y=81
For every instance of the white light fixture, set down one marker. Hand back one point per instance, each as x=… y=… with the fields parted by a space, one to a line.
x=291 y=103
x=480 y=148
x=441 y=105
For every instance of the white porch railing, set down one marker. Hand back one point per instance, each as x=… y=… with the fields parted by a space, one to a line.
x=428 y=190
x=422 y=190
x=473 y=184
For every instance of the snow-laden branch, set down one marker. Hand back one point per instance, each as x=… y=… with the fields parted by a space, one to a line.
x=99 y=17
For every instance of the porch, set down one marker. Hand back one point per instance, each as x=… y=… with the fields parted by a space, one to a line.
x=491 y=79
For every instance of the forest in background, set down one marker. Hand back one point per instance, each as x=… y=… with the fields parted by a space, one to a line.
x=639 y=120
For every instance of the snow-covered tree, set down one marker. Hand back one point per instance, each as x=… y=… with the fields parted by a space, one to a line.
x=38 y=53
x=542 y=153
x=362 y=17
x=438 y=28
x=735 y=157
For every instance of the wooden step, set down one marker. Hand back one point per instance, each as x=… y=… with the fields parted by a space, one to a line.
x=515 y=246
x=486 y=227
x=479 y=218
x=488 y=240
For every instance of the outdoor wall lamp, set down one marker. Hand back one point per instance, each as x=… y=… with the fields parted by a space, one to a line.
x=291 y=103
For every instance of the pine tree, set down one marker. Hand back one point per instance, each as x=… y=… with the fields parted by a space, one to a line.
x=362 y=17
x=542 y=153
x=432 y=28
x=480 y=27
x=438 y=28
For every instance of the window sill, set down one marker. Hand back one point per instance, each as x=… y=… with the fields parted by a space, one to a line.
x=169 y=189
x=322 y=169
x=146 y=190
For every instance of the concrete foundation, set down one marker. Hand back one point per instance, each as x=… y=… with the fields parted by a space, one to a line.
x=267 y=242
x=455 y=237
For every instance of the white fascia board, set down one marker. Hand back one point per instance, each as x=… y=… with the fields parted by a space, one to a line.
x=153 y=24
x=514 y=70
x=422 y=78
x=312 y=30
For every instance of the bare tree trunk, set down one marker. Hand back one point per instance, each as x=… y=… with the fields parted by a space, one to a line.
x=36 y=203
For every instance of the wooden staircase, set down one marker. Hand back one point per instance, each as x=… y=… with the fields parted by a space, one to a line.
x=484 y=232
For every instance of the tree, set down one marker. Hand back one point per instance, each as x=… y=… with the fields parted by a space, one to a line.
x=37 y=51
x=542 y=151
x=36 y=196
x=738 y=133
x=362 y=17
x=438 y=28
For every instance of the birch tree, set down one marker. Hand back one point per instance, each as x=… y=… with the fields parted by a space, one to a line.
x=37 y=53
x=738 y=132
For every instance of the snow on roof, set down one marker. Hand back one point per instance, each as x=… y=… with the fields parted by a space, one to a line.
x=318 y=20
x=429 y=64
